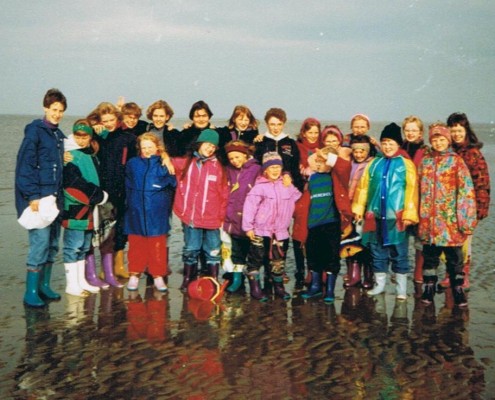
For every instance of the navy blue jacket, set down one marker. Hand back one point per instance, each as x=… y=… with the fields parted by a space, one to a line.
x=149 y=194
x=38 y=171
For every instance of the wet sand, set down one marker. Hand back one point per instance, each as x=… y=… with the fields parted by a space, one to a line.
x=112 y=345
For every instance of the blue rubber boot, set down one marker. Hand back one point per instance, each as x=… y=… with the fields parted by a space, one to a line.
x=330 y=288
x=315 y=289
x=31 y=297
x=236 y=282
x=44 y=289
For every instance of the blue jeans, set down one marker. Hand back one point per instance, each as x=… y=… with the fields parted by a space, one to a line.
x=43 y=245
x=76 y=245
x=396 y=254
x=197 y=239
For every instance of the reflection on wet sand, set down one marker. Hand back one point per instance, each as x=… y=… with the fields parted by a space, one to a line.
x=127 y=346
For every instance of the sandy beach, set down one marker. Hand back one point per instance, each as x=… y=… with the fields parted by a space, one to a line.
x=115 y=346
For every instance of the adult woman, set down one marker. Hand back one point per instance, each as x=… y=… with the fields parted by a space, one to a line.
x=160 y=113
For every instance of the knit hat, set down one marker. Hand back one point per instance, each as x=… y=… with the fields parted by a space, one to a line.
x=332 y=130
x=392 y=131
x=237 y=146
x=208 y=135
x=271 y=158
x=440 y=130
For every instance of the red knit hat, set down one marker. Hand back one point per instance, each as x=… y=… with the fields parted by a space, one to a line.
x=440 y=130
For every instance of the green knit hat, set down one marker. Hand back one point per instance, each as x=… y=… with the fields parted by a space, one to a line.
x=208 y=135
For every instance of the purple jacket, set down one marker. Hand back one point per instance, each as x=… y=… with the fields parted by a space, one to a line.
x=269 y=207
x=240 y=182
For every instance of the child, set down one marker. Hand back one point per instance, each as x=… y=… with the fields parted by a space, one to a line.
x=241 y=176
x=332 y=136
x=329 y=210
x=38 y=174
x=414 y=145
x=82 y=193
x=360 y=125
x=387 y=200
x=131 y=113
x=445 y=225
x=147 y=216
x=200 y=203
x=267 y=214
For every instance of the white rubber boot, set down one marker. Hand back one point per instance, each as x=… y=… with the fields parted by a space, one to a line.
x=72 y=282
x=81 y=277
x=380 y=280
x=401 y=286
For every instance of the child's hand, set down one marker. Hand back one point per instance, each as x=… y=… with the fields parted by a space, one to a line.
x=68 y=157
x=258 y=138
x=250 y=235
x=98 y=128
x=287 y=180
x=167 y=162
x=358 y=218
x=120 y=102
x=35 y=205
x=170 y=127
x=187 y=125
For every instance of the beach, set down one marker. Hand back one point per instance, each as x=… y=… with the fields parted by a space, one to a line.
x=114 y=345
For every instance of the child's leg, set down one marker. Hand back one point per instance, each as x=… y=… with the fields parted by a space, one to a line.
x=431 y=257
x=315 y=255
x=380 y=255
x=255 y=259
x=212 y=247
x=455 y=266
x=400 y=265
x=137 y=258
x=277 y=267
x=240 y=249
x=193 y=240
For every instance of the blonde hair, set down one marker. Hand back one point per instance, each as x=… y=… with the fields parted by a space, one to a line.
x=149 y=136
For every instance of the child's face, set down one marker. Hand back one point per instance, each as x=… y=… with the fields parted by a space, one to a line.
x=439 y=143
x=389 y=147
x=360 y=155
x=201 y=119
x=332 y=141
x=241 y=122
x=148 y=148
x=130 y=120
x=237 y=159
x=159 y=118
x=359 y=127
x=312 y=134
x=458 y=133
x=321 y=165
x=273 y=172
x=109 y=121
x=82 y=139
x=275 y=126
x=207 y=149
x=412 y=132
x=54 y=113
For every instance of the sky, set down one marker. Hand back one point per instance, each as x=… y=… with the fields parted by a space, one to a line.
x=325 y=58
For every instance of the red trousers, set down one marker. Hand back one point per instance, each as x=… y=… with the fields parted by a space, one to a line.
x=147 y=251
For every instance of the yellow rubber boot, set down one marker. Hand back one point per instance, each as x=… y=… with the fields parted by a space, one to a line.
x=118 y=265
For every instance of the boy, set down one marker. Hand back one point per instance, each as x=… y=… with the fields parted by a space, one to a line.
x=445 y=225
x=38 y=175
x=388 y=192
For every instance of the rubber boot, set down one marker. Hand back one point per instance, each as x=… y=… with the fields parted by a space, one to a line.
x=401 y=286
x=418 y=267
x=190 y=274
x=72 y=282
x=44 y=289
x=91 y=275
x=160 y=284
x=213 y=270
x=368 y=276
x=380 y=281
x=278 y=287
x=31 y=297
x=133 y=283
x=255 y=287
x=118 y=265
x=315 y=289
x=430 y=282
x=330 y=288
x=466 y=269
x=460 y=299
x=355 y=273
x=81 y=276
x=107 y=263
x=300 y=266
x=236 y=279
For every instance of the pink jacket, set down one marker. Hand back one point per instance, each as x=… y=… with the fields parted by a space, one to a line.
x=269 y=207
x=202 y=192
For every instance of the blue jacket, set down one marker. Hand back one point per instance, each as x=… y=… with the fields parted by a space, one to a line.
x=39 y=165
x=149 y=195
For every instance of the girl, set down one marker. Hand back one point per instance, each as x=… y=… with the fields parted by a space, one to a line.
x=466 y=144
x=81 y=193
x=131 y=113
x=360 y=125
x=267 y=214
x=116 y=147
x=332 y=136
x=241 y=176
x=200 y=203
x=147 y=216
x=160 y=113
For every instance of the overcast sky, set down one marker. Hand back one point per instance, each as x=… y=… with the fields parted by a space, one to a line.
x=328 y=59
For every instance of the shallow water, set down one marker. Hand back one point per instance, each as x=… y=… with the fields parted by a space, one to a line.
x=112 y=345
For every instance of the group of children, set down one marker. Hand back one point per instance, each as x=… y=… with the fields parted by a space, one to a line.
x=234 y=189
